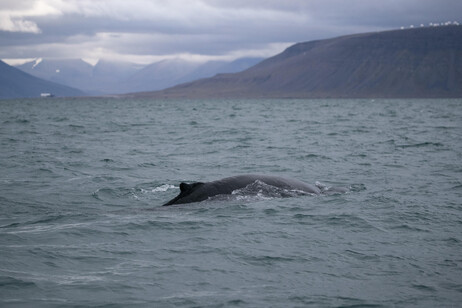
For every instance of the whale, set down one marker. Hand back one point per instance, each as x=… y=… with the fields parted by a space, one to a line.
x=200 y=191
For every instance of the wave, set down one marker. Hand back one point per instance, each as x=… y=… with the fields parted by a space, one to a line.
x=419 y=145
x=11 y=282
x=163 y=187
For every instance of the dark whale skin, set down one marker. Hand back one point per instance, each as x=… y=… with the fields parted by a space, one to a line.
x=199 y=191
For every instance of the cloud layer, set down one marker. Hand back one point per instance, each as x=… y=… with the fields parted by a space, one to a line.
x=146 y=30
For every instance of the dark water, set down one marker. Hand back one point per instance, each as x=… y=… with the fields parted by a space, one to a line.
x=82 y=181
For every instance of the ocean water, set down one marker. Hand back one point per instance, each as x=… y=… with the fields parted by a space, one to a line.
x=82 y=182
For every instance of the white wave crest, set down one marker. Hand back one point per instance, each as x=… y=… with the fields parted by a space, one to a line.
x=164 y=187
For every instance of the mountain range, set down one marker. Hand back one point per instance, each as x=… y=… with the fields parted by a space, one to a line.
x=420 y=62
x=111 y=77
x=410 y=63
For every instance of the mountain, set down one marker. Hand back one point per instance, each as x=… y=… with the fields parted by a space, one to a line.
x=103 y=78
x=159 y=75
x=14 y=83
x=71 y=72
x=111 y=77
x=168 y=73
x=419 y=62
x=212 y=68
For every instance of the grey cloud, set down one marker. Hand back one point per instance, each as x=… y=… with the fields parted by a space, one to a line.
x=208 y=27
x=16 y=5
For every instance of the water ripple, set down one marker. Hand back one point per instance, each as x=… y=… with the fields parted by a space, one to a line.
x=82 y=182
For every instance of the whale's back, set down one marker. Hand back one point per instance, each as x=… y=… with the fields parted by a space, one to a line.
x=197 y=192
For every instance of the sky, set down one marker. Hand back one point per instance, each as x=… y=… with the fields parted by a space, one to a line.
x=146 y=31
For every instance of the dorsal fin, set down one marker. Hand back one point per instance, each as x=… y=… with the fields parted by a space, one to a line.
x=184 y=187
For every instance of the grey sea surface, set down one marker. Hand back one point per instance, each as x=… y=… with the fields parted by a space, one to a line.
x=82 y=182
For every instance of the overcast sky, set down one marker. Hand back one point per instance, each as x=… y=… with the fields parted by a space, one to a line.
x=145 y=31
